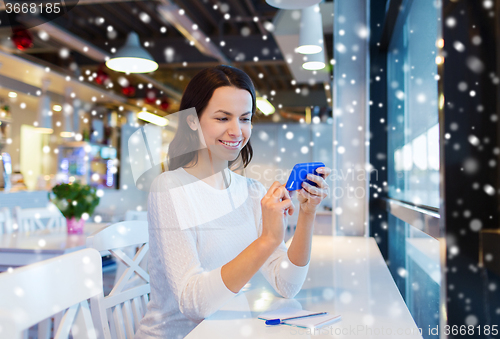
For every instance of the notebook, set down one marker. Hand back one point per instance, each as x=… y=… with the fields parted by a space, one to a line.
x=317 y=321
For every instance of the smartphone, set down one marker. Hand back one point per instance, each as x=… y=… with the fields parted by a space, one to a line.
x=299 y=175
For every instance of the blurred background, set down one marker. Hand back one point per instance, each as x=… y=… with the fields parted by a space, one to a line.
x=399 y=97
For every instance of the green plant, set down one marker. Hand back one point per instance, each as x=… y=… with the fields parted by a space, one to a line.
x=73 y=200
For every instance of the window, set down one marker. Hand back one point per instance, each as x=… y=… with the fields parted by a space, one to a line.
x=413 y=106
x=413 y=161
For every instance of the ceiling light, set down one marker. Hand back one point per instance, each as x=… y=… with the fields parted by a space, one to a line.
x=314 y=62
x=311 y=31
x=12 y=95
x=292 y=4
x=152 y=118
x=67 y=134
x=265 y=106
x=132 y=58
x=44 y=130
x=57 y=108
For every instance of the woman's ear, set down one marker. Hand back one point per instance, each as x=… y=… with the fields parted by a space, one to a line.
x=191 y=123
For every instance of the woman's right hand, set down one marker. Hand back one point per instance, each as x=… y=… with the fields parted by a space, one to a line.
x=275 y=206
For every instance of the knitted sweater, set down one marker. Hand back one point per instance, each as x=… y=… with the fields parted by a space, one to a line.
x=195 y=229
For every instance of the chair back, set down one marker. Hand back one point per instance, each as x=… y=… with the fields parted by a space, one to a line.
x=31 y=219
x=136 y=215
x=131 y=250
x=57 y=287
x=5 y=221
x=118 y=314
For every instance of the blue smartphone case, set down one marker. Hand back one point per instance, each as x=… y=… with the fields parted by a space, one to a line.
x=299 y=174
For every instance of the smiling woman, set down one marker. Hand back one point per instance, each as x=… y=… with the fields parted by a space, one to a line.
x=211 y=229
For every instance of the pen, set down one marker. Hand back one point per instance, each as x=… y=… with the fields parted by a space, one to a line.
x=279 y=321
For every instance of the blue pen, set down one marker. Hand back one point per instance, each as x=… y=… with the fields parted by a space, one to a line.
x=280 y=321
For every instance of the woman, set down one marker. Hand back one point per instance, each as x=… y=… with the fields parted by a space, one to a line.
x=211 y=229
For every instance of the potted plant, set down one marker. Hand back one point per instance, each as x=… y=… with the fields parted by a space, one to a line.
x=76 y=202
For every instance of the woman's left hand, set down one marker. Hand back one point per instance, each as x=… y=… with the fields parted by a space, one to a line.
x=310 y=196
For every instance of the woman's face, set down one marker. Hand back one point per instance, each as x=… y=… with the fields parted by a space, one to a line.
x=227 y=119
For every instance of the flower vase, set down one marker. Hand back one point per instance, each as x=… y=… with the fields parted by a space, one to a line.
x=75 y=226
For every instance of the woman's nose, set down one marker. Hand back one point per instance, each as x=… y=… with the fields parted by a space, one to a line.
x=235 y=129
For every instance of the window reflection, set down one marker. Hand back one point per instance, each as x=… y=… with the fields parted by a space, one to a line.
x=413 y=129
x=413 y=156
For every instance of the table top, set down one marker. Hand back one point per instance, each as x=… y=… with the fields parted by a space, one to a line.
x=55 y=240
x=347 y=276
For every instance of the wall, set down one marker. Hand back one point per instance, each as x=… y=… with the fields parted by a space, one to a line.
x=115 y=203
x=20 y=117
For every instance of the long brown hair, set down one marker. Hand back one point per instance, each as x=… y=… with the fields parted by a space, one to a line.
x=197 y=94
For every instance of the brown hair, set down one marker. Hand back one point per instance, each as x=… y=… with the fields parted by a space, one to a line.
x=197 y=94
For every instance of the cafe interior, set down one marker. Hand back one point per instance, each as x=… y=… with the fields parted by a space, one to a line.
x=399 y=98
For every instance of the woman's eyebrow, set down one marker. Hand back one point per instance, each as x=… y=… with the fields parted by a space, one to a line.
x=227 y=113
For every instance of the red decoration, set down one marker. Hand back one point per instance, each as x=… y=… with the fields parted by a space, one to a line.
x=128 y=91
x=150 y=97
x=22 y=39
x=164 y=105
x=101 y=77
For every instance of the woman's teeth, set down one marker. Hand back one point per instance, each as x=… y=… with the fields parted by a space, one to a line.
x=234 y=144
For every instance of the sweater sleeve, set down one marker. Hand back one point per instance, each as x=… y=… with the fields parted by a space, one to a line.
x=285 y=277
x=199 y=293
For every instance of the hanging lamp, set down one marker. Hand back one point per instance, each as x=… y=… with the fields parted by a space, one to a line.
x=132 y=58
x=314 y=62
x=292 y=4
x=311 y=31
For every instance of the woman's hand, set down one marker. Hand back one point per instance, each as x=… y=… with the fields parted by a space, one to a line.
x=309 y=196
x=275 y=205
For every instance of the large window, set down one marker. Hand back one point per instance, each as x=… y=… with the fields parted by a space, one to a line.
x=413 y=105
x=413 y=161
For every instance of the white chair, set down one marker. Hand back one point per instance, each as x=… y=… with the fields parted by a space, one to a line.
x=31 y=219
x=57 y=287
x=130 y=251
x=118 y=314
x=5 y=221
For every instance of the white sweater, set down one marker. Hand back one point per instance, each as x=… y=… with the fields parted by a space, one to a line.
x=195 y=229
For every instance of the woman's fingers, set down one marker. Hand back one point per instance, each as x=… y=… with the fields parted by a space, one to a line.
x=278 y=191
x=287 y=204
x=288 y=197
x=317 y=179
x=272 y=190
x=309 y=196
x=324 y=171
x=315 y=191
x=279 y=196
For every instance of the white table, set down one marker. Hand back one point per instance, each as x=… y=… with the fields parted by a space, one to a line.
x=347 y=276
x=19 y=249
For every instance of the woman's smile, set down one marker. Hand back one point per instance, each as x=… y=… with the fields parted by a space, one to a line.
x=230 y=145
